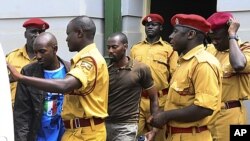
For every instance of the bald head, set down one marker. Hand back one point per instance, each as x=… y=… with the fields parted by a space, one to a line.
x=119 y=36
x=47 y=39
x=84 y=24
x=45 y=49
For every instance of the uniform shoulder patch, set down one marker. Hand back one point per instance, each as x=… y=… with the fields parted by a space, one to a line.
x=86 y=65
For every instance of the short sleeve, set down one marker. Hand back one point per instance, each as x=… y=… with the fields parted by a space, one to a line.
x=207 y=84
x=146 y=77
x=86 y=72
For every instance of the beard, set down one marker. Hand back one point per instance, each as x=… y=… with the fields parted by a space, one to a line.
x=113 y=59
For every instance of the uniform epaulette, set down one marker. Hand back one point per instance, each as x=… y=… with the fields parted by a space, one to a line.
x=84 y=56
x=202 y=56
x=15 y=50
x=166 y=42
x=138 y=43
x=211 y=49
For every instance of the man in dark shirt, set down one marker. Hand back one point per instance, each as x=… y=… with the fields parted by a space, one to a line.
x=37 y=114
x=127 y=79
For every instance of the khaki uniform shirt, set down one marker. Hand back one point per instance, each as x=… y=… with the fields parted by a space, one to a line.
x=18 y=58
x=91 y=100
x=160 y=57
x=197 y=80
x=235 y=84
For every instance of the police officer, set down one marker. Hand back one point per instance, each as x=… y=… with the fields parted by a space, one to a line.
x=161 y=59
x=24 y=55
x=194 y=91
x=85 y=108
x=234 y=57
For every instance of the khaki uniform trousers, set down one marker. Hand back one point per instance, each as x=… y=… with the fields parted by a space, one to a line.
x=90 y=133
x=220 y=128
x=145 y=114
x=202 y=136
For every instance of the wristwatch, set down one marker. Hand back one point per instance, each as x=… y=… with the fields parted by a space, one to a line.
x=235 y=37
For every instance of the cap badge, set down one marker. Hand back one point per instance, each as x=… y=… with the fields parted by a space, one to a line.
x=176 y=21
x=149 y=19
x=43 y=27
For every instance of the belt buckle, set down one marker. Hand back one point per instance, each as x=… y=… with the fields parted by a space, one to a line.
x=170 y=130
x=197 y=129
x=227 y=105
x=77 y=122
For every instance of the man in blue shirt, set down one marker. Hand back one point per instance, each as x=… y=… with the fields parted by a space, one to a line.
x=37 y=114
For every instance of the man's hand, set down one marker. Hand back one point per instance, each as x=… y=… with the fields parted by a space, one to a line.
x=150 y=135
x=233 y=26
x=158 y=120
x=15 y=75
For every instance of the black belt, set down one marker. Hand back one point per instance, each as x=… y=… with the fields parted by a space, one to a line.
x=232 y=104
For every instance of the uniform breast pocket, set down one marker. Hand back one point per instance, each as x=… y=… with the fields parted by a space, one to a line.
x=181 y=94
x=160 y=62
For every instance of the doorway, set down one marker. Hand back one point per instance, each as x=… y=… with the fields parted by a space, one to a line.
x=168 y=8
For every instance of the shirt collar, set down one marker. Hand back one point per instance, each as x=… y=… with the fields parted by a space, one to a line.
x=83 y=51
x=128 y=66
x=193 y=52
x=160 y=41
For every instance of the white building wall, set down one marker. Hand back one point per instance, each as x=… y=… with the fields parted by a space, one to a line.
x=56 y=12
x=132 y=13
x=241 y=11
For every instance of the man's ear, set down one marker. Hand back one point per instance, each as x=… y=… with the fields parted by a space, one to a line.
x=191 y=34
x=126 y=46
x=161 y=27
x=55 y=48
x=80 y=33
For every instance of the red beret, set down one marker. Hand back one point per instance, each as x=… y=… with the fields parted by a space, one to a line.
x=219 y=19
x=192 y=21
x=153 y=18
x=36 y=22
